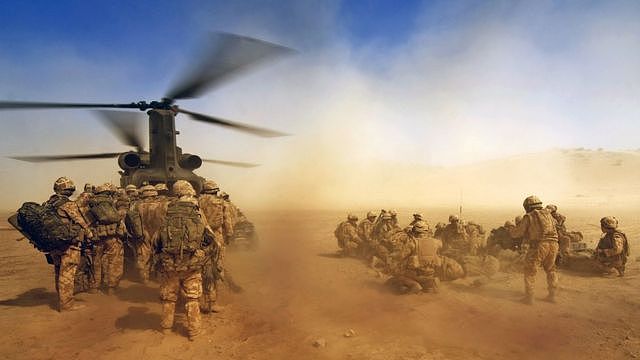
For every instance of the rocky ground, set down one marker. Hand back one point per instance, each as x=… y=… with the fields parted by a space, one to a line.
x=301 y=301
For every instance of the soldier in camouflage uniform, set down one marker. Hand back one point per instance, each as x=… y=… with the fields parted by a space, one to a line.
x=425 y=267
x=181 y=270
x=132 y=192
x=219 y=217
x=538 y=229
x=144 y=219
x=456 y=240
x=163 y=191
x=347 y=235
x=613 y=248
x=66 y=261
x=108 y=259
x=365 y=227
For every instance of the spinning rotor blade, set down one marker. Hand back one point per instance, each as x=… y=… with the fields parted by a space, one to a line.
x=230 y=163
x=230 y=54
x=230 y=124
x=46 y=158
x=125 y=125
x=9 y=105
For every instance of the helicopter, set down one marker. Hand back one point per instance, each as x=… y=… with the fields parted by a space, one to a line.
x=163 y=161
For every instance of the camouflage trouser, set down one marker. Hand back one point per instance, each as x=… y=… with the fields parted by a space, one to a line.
x=189 y=284
x=108 y=262
x=607 y=264
x=65 y=263
x=350 y=248
x=544 y=253
x=143 y=259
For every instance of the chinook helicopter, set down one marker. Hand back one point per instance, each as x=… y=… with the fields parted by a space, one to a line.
x=164 y=161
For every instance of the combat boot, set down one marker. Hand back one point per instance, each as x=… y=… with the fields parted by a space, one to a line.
x=527 y=299
x=551 y=297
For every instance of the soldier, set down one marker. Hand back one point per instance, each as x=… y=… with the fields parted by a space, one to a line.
x=476 y=235
x=613 y=248
x=183 y=237
x=108 y=259
x=66 y=261
x=347 y=235
x=163 y=191
x=564 y=239
x=234 y=215
x=538 y=229
x=425 y=268
x=218 y=216
x=456 y=239
x=83 y=202
x=439 y=230
x=365 y=227
x=144 y=219
x=132 y=192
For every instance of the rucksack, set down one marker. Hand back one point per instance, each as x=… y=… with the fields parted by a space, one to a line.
x=46 y=229
x=103 y=209
x=183 y=229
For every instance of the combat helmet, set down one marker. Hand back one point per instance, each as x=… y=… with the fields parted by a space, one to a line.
x=104 y=188
x=163 y=187
x=609 y=223
x=88 y=188
x=508 y=224
x=131 y=189
x=210 y=186
x=551 y=208
x=63 y=184
x=417 y=216
x=532 y=202
x=352 y=217
x=181 y=188
x=371 y=214
x=148 y=191
x=453 y=218
x=420 y=227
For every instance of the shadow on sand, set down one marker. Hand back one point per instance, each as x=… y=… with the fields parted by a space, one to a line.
x=33 y=297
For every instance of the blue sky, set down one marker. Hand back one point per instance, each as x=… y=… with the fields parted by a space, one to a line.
x=417 y=82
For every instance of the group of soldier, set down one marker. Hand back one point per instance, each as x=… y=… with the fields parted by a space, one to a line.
x=149 y=220
x=417 y=258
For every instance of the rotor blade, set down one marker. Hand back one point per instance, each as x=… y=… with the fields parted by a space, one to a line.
x=125 y=125
x=229 y=54
x=47 y=158
x=231 y=124
x=230 y=163
x=10 y=105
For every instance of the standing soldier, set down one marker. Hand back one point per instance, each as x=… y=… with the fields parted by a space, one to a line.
x=108 y=260
x=219 y=218
x=163 y=191
x=83 y=202
x=233 y=212
x=613 y=248
x=66 y=261
x=183 y=237
x=132 y=192
x=538 y=229
x=144 y=219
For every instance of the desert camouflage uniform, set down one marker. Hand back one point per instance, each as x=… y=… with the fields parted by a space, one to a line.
x=108 y=252
x=456 y=240
x=219 y=217
x=538 y=229
x=150 y=212
x=347 y=235
x=365 y=228
x=182 y=274
x=612 y=250
x=66 y=261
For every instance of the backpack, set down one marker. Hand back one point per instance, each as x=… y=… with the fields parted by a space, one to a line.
x=183 y=229
x=46 y=229
x=133 y=221
x=103 y=210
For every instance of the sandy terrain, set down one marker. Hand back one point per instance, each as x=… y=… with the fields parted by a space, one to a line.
x=297 y=291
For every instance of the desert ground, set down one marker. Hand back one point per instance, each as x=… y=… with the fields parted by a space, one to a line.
x=297 y=293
